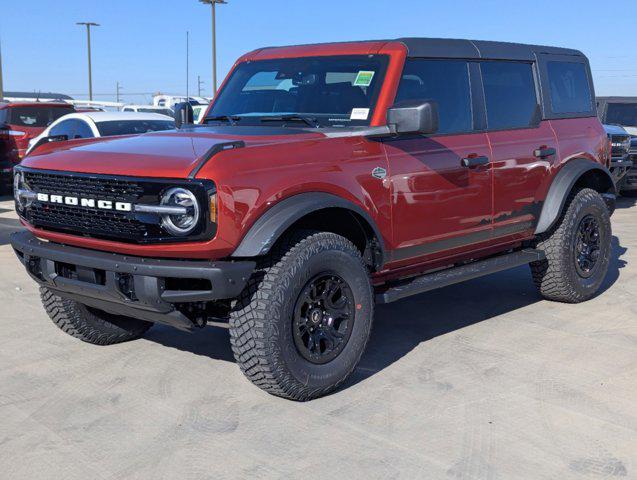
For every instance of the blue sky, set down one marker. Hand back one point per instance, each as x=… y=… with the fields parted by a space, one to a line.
x=141 y=43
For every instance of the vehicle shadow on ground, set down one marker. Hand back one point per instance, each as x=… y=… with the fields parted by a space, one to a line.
x=9 y=206
x=402 y=326
x=626 y=202
x=7 y=227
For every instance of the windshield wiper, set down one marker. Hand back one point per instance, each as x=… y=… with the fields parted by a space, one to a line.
x=231 y=119
x=311 y=121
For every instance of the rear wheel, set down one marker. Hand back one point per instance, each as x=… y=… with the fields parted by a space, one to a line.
x=302 y=324
x=577 y=250
x=88 y=324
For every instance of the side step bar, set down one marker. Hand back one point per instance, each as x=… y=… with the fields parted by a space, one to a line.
x=449 y=276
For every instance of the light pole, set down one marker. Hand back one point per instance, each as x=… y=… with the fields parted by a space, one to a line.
x=212 y=4
x=118 y=88
x=1 y=87
x=200 y=82
x=88 y=39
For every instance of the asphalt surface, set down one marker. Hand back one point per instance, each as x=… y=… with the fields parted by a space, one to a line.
x=482 y=380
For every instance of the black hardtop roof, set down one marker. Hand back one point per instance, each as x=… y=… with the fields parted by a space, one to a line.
x=459 y=48
x=456 y=48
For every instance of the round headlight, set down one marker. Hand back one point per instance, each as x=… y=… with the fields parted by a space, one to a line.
x=183 y=223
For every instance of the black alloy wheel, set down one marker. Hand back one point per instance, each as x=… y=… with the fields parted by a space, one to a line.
x=323 y=318
x=587 y=246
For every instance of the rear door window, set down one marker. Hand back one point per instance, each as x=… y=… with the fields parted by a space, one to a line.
x=35 y=116
x=569 y=87
x=509 y=93
x=446 y=82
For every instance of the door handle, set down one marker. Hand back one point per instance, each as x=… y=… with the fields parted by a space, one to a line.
x=544 y=152
x=472 y=162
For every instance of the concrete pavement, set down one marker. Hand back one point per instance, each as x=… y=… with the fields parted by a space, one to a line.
x=482 y=380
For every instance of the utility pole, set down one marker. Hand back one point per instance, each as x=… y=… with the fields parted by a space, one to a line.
x=88 y=41
x=1 y=86
x=200 y=82
x=118 y=88
x=212 y=4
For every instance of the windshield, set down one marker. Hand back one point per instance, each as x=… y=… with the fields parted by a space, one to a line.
x=133 y=127
x=622 y=114
x=36 y=116
x=331 y=91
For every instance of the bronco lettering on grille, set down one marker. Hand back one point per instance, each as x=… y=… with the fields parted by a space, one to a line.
x=85 y=202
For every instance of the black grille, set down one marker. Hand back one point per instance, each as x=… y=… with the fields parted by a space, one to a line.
x=102 y=223
x=625 y=145
x=87 y=221
x=88 y=187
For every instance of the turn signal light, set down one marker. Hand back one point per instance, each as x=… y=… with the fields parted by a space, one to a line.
x=213 y=208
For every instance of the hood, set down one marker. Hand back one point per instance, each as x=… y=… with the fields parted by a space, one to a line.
x=615 y=130
x=169 y=154
x=631 y=130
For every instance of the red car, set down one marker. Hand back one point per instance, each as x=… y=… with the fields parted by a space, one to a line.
x=19 y=123
x=325 y=179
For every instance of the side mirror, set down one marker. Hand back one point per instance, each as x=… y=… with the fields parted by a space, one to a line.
x=183 y=114
x=413 y=116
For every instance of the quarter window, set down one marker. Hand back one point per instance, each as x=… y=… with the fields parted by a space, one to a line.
x=570 y=91
x=446 y=82
x=63 y=128
x=82 y=130
x=509 y=93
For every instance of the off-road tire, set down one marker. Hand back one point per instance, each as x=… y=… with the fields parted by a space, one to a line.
x=557 y=276
x=88 y=324
x=261 y=322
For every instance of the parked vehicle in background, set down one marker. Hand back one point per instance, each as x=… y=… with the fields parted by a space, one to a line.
x=326 y=178
x=148 y=109
x=19 y=123
x=629 y=184
x=620 y=162
x=199 y=111
x=77 y=126
x=169 y=101
x=622 y=111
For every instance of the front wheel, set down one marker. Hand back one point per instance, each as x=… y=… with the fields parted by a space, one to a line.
x=577 y=250
x=302 y=324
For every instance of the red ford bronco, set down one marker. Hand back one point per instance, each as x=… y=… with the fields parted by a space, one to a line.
x=325 y=179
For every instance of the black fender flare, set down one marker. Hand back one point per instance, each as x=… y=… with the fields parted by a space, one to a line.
x=562 y=185
x=275 y=221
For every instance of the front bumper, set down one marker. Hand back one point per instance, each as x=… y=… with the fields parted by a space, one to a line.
x=138 y=287
x=619 y=167
x=630 y=180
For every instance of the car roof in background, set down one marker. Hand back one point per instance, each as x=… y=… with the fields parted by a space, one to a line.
x=153 y=107
x=35 y=104
x=617 y=99
x=116 y=116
